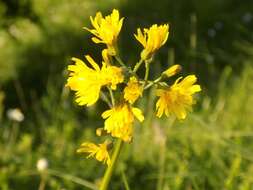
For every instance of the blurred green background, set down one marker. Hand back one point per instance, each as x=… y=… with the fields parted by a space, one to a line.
x=211 y=150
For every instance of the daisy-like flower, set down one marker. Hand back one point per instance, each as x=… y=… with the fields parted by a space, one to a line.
x=152 y=39
x=87 y=82
x=99 y=152
x=177 y=99
x=133 y=90
x=106 y=30
x=119 y=121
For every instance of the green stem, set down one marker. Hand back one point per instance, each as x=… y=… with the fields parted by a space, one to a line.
x=146 y=72
x=12 y=138
x=137 y=66
x=153 y=82
x=105 y=99
x=110 y=168
x=112 y=97
x=14 y=133
x=42 y=184
x=128 y=69
x=120 y=61
x=125 y=180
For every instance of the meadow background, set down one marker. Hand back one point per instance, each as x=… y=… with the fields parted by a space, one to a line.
x=211 y=150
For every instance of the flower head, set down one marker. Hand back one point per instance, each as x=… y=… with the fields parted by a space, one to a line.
x=87 y=81
x=99 y=151
x=119 y=121
x=133 y=90
x=106 y=30
x=177 y=99
x=152 y=39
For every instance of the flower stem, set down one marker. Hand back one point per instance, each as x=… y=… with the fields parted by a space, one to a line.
x=42 y=184
x=136 y=67
x=125 y=180
x=110 y=168
x=105 y=99
x=112 y=96
x=120 y=61
x=128 y=69
x=146 y=72
x=153 y=82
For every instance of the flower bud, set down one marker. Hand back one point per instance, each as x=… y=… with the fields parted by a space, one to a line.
x=100 y=132
x=171 y=71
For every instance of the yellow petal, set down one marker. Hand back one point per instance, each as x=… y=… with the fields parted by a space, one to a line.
x=138 y=114
x=92 y=62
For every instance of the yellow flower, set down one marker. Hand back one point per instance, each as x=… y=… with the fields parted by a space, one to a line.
x=99 y=151
x=171 y=71
x=106 y=30
x=152 y=39
x=119 y=121
x=133 y=90
x=112 y=75
x=177 y=99
x=87 y=81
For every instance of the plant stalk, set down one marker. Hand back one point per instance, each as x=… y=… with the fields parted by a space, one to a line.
x=109 y=171
x=137 y=66
x=153 y=82
x=120 y=61
x=146 y=73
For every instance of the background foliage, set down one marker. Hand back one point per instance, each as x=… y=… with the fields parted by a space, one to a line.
x=212 y=149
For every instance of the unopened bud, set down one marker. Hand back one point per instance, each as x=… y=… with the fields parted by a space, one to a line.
x=100 y=132
x=171 y=71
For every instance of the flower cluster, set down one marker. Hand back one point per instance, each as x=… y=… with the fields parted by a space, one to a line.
x=120 y=86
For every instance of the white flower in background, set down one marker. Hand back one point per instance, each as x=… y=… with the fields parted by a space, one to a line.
x=42 y=164
x=15 y=115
